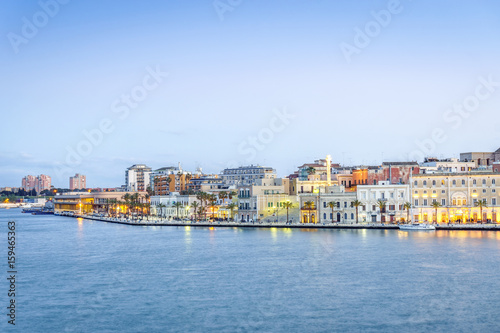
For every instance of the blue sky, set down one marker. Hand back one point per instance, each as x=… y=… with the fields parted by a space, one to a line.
x=227 y=79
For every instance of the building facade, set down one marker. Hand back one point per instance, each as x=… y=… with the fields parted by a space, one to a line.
x=384 y=202
x=38 y=183
x=332 y=204
x=77 y=182
x=455 y=197
x=246 y=175
x=137 y=178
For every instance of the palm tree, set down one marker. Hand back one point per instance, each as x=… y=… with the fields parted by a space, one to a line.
x=381 y=204
x=212 y=198
x=232 y=206
x=310 y=170
x=435 y=205
x=178 y=205
x=309 y=205
x=161 y=206
x=287 y=205
x=481 y=204
x=195 y=206
x=332 y=205
x=232 y=194
x=407 y=206
x=223 y=195
x=356 y=203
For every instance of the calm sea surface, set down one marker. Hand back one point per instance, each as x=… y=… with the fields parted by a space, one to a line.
x=84 y=276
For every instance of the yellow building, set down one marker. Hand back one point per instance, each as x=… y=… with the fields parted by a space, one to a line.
x=455 y=197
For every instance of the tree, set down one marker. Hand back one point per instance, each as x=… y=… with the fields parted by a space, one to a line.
x=178 y=205
x=223 y=195
x=195 y=206
x=232 y=194
x=232 y=206
x=356 y=203
x=481 y=204
x=407 y=206
x=381 y=204
x=287 y=205
x=435 y=205
x=332 y=205
x=161 y=206
x=212 y=198
x=310 y=170
x=309 y=206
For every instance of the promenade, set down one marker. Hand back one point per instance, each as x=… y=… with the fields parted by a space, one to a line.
x=225 y=224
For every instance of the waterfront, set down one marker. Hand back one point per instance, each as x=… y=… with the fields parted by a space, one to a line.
x=79 y=275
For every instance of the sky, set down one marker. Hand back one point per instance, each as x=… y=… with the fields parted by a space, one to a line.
x=94 y=87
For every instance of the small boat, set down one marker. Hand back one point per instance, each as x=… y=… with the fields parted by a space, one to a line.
x=417 y=226
x=42 y=212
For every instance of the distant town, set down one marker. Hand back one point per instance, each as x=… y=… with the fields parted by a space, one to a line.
x=451 y=190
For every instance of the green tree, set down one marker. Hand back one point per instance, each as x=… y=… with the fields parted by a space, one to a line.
x=178 y=205
x=407 y=206
x=381 y=205
x=481 y=204
x=287 y=205
x=308 y=205
x=356 y=203
x=332 y=205
x=435 y=205
x=232 y=206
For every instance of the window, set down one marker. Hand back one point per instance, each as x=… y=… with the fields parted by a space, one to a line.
x=493 y=190
x=493 y=201
x=425 y=202
x=425 y=182
x=454 y=182
x=324 y=216
x=392 y=207
x=324 y=204
x=474 y=182
x=373 y=207
x=382 y=195
x=484 y=190
x=338 y=204
x=392 y=195
x=416 y=183
x=434 y=191
x=443 y=202
x=484 y=181
x=443 y=191
x=433 y=183
x=345 y=204
x=492 y=182
x=416 y=202
x=352 y=216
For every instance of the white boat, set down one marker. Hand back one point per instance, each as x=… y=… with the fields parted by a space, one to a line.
x=417 y=226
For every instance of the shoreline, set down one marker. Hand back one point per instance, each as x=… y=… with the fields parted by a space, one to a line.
x=376 y=226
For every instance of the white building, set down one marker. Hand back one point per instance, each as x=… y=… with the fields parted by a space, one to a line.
x=341 y=209
x=137 y=178
x=247 y=175
x=394 y=196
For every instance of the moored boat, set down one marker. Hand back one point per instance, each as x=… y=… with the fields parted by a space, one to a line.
x=417 y=226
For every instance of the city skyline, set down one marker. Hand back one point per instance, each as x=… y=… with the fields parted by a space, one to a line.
x=366 y=82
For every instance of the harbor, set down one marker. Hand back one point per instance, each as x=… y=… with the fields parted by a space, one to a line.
x=229 y=224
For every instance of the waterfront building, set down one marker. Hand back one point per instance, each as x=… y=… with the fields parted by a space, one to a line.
x=383 y=202
x=328 y=204
x=455 y=197
x=77 y=182
x=93 y=202
x=246 y=175
x=481 y=158
x=165 y=205
x=38 y=183
x=264 y=200
x=137 y=178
